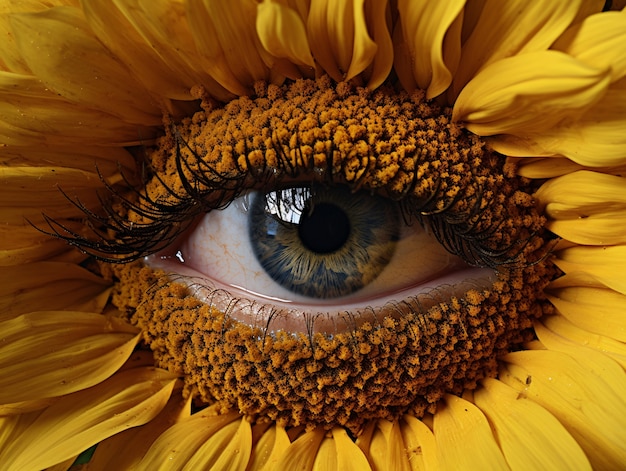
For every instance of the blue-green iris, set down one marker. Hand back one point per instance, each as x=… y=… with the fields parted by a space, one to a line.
x=322 y=242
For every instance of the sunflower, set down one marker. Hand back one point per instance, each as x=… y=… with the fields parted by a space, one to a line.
x=474 y=149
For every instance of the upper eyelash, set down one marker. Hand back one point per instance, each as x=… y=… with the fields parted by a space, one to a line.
x=115 y=239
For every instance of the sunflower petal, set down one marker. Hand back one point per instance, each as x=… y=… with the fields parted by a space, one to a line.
x=302 y=451
x=46 y=354
x=106 y=160
x=586 y=207
x=10 y=58
x=228 y=448
x=598 y=41
x=46 y=286
x=48 y=118
x=577 y=336
x=431 y=40
x=142 y=59
x=178 y=444
x=339 y=38
x=594 y=309
x=82 y=419
x=126 y=449
x=528 y=93
x=339 y=452
x=386 y=450
x=60 y=49
x=420 y=444
x=268 y=449
x=229 y=44
x=376 y=13
x=464 y=438
x=283 y=33
x=597 y=139
x=513 y=27
x=522 y=425
x=592 y=360
x=23 y=245
x=604 y=264
x=586 y=398
x=45 y=179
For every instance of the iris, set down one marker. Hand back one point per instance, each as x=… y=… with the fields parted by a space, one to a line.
x=323 y=242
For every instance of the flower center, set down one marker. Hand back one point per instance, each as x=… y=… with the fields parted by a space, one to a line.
x=406 y=354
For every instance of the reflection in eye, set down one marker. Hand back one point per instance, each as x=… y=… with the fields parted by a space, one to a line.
x=311 y=246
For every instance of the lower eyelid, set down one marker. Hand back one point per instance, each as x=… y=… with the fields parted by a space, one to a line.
x=276 y=314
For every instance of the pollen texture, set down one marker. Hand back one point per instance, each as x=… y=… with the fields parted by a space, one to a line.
x=405 y=356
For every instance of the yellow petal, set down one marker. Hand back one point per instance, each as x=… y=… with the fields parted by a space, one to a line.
x=599 y=42
x=339 y=38
x=407 y=444
x=28 y=108
x=385 y=448
x=513 y=27
x=586 y=207
x=46 y=354
x=46 y=286
x=267 y=451
x=126 y=449
x=544 y=167
x=22 y=407
x=431 y=36
x=62 y=52
x=106 y=21
x=595 y=140
x=164 y=26
x=225 y=34
x=592 y=360
x=283 y=33
x=23 y=245
x=593 y=309
x=10 y=58
x=228 y=448
x=528 y=93
x=577 y=336
x=302 y=451
x=464 y=437
x=109 y=161
x=530 y=437
x=420 y=444
x=586 y=398
x=175 y=447
x=376 y=15
x=339 y=452
x=27 y=192
x=604 y=264
x=82 y=419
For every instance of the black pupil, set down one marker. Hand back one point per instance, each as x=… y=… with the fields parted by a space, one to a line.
x=325 y=229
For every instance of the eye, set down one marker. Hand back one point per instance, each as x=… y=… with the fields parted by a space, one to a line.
x=316 y=247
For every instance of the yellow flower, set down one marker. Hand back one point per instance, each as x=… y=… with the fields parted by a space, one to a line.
x=498 y=125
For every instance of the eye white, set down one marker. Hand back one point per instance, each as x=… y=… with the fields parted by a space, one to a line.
x=219 y=249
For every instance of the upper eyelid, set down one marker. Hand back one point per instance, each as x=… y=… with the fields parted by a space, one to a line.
x=167 y=220
x=449 y=197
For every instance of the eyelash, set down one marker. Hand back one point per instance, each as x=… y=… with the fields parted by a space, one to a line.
x=116 y=239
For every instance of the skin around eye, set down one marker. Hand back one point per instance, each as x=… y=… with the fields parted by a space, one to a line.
x=217 y=259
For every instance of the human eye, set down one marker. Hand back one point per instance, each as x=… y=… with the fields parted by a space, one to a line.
x=314 y=249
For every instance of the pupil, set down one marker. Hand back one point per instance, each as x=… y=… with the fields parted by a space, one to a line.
x=325 y=229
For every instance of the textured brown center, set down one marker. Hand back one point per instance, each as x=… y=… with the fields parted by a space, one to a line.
x=406 y=355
